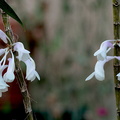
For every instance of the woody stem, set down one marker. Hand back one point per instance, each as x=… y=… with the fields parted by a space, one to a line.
x=116 y=64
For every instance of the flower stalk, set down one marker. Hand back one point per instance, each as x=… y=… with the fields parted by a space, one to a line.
x=116 y=64
x=18 y=71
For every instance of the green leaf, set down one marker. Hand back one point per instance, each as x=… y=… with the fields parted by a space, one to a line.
x=7 y=9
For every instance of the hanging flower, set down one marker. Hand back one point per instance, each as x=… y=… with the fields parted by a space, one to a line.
x=102 y=58
x=23 y=55
x=9 y=75
x=104 y=48
x=31 y=73
x=99 y=72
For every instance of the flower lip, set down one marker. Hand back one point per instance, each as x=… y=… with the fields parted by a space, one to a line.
x=9 y=75
x=31 y=73
x=99 y=69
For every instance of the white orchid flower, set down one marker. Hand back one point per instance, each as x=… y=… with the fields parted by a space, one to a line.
x=23 y=55
x=9 y=75
x=99 y=72
x=31 y=73
x=104 y=48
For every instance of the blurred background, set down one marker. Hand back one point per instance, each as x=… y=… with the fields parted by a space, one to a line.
x=62 y=36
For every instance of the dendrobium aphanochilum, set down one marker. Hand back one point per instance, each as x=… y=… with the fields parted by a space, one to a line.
x=23 y=55
x=102 y=58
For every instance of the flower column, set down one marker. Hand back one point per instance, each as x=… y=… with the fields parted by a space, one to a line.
x=116 y=53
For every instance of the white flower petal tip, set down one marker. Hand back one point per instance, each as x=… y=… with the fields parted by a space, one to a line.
x=3 y=90
x=32 y=76
x=118 y=75
x=3 y=85
x=4 y=37
x=90 y=76
x=37 y=75
x=9 y=77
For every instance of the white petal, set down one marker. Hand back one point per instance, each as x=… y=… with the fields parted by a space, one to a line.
x=3 y=85
x=4 y=37
x=37 y=75
x=3 y=60
x=4 y=90
x=9 y=77
x=31 y=77
x=100 y=77
x=22 y=52
x=90 y=76
x=30 y=64
x=117 y=57
x=99 y=70
x=101 y=56
x=104 y=48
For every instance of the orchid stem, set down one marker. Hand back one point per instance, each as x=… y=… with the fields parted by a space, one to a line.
x=18 y=71
x=116 y=63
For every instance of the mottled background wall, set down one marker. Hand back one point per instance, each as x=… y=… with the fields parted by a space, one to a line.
x=63 y=36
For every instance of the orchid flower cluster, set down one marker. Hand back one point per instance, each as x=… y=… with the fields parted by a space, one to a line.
x=8 y=56
x=102 y=58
